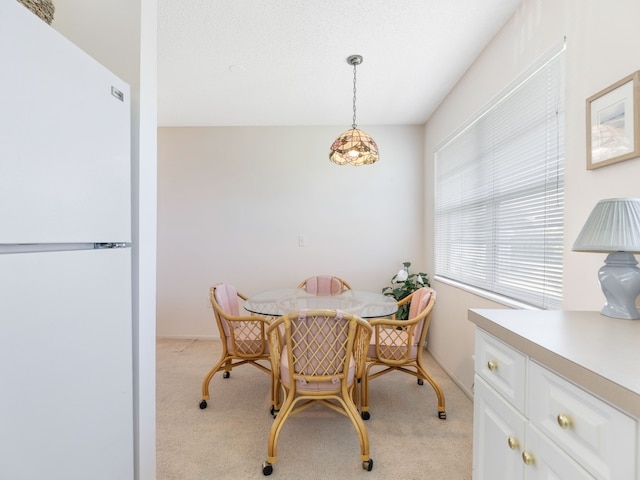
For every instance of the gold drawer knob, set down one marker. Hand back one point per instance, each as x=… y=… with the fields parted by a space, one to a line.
x=527 y=458
x=492 y=365
x=564 y=421
x=513 y=443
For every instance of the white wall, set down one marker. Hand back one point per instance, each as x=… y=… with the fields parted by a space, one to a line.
x=233 y=201
x=601 y=49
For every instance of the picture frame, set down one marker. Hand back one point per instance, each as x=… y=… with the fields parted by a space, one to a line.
x=613 y=123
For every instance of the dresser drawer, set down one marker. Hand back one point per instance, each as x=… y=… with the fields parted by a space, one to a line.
x=595 y=434
x=502 y=367
x=549 y=461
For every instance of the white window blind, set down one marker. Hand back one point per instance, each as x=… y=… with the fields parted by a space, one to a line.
x=499 y=193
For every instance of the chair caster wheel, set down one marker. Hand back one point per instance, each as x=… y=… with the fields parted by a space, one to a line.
x=442 y=415
x=267 y=469
x=203 y=404
x=365 y=415
x=226 y=374
x=368 y=465
x=420 y=381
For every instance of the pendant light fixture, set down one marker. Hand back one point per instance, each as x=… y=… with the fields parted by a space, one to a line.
x=354 y=147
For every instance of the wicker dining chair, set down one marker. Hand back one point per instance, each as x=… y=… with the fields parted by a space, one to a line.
x=243 y=338
x=324 y=285
x=396 y=345
x=318 y=357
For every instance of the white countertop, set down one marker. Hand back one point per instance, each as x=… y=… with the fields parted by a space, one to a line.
x=599 y=353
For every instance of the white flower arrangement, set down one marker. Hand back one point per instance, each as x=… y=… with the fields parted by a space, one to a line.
x=404 y=283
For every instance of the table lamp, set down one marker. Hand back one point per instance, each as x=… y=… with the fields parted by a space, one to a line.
x=614 y=227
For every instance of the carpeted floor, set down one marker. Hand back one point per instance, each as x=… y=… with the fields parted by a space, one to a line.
x=228 y=440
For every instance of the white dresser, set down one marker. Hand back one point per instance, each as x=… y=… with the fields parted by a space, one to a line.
x=556 y=396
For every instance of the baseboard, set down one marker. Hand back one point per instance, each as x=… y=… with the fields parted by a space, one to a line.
x=188 y=337
x=462 y=387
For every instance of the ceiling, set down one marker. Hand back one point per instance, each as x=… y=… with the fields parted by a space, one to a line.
x=284 y=62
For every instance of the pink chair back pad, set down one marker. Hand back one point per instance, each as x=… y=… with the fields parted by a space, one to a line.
x=323 y=285
x=227 y=298
x=223 y=299
x=420 y=303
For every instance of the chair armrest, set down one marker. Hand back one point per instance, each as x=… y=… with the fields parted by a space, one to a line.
x=405 y=300
x=392 y=322
x=248 y=318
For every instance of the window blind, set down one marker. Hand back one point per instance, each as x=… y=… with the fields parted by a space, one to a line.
x=499 y=193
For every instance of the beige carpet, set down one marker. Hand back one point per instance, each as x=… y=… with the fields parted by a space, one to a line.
x=228 y=439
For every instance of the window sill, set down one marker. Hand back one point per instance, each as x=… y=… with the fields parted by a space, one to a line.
x=508 y=302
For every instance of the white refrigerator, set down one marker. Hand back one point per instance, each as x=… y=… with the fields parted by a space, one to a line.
x=66 y=387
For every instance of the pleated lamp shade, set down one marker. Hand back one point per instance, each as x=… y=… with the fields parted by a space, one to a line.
x=613 y=226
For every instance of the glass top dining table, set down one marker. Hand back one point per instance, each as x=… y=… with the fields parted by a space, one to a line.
x=361 y=303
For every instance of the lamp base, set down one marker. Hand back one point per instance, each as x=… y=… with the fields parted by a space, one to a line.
x=620 y=281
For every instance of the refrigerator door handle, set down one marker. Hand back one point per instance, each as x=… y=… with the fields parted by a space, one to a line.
x=100 y=246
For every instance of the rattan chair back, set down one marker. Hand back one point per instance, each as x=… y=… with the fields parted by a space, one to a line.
x=324 y=285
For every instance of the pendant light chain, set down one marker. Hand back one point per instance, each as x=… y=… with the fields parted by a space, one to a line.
x=354 y=95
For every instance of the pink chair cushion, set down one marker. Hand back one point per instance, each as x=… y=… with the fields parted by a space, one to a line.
x=312 y=386
x=323 y=285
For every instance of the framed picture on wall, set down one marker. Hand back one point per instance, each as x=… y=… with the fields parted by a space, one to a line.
x=613 y=123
